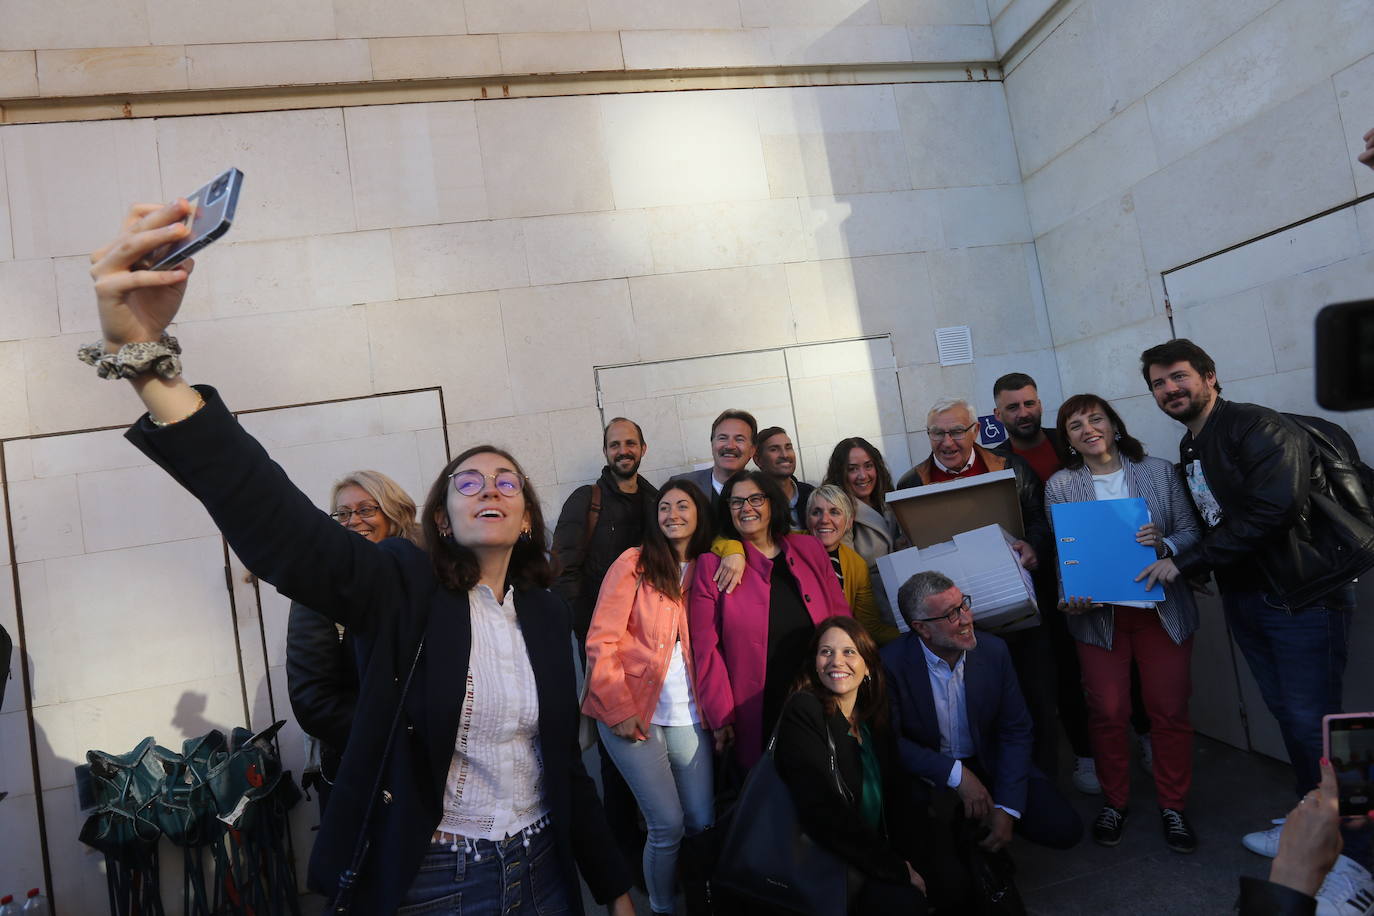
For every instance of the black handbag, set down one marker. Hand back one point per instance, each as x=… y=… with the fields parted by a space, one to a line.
x=993 y=880
x=768 y=858
x=342 y=904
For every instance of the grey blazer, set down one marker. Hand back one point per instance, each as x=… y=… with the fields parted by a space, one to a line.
x=702 y=478
x=1155 y=481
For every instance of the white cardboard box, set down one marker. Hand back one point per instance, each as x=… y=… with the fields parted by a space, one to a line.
x=983 y=565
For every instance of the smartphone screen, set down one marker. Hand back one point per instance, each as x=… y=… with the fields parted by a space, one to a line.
x=1350 y=748
x=1345 y=355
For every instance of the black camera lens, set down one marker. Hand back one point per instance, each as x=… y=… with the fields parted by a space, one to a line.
x=217 y=189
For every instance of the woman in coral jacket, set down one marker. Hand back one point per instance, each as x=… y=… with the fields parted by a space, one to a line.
x=640 y=687
x=749 y=645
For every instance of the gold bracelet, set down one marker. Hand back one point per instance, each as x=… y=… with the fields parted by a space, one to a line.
x=200 y=402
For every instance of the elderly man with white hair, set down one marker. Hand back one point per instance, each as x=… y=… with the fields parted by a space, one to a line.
x=955 y=453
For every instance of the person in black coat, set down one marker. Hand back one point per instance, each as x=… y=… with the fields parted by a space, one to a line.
x=873 y=827
x=321 y=661
x=424 y=621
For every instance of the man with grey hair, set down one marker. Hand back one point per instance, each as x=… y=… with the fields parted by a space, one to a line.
x=954 y=455
x=962 y=723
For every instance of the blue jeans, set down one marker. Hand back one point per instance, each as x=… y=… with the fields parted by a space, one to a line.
x=671 y=777
x=1298 y=660
x=509 y=878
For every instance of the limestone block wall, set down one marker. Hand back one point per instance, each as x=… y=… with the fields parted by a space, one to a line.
x=1150 y=136
x=502 y=248
x=138 y=46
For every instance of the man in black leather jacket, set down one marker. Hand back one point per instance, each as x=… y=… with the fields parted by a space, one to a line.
x=1285 y=553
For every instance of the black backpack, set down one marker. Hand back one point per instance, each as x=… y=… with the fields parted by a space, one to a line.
x=1349 y=481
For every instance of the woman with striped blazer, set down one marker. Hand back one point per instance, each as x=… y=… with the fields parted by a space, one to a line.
x=1103 y=461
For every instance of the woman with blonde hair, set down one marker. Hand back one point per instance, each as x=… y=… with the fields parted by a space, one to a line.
x=830 y=518
x=321 y=665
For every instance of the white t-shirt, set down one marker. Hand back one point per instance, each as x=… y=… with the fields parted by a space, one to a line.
x=675 y=703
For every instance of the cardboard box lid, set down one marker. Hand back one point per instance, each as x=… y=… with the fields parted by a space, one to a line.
x=937 y=512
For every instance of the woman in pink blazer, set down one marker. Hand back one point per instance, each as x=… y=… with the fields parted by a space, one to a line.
x=749 y=645
x=640 y=687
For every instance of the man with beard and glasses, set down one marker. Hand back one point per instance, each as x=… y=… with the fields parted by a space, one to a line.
x=1285 y=554
x=598 y=523
x=774 y=455
x=732 y=445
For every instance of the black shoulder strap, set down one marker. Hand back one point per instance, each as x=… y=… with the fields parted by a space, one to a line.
x=343 y=897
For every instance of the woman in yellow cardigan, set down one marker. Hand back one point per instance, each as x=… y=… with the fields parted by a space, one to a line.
x=830 y=516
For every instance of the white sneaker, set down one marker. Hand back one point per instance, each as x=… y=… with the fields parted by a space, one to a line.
x=1147 y=752
x=1264 y=842
x=1085 y=776
x=1347 y=891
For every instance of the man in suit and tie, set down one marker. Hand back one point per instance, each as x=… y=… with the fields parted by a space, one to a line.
x=732 y=445
x=962 y=723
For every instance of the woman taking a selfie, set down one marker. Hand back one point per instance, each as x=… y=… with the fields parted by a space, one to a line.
x=472 y=787
x=749 y=644
x=640 y=687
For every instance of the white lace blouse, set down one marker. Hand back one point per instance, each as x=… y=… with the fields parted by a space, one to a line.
x=495 y=782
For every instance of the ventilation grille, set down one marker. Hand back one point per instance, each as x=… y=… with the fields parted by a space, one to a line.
x=955 y=345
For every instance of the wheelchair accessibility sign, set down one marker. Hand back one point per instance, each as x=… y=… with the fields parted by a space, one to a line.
x=991 y=432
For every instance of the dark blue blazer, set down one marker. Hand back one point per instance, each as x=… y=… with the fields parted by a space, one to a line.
x=388 y=597
x=998 y=721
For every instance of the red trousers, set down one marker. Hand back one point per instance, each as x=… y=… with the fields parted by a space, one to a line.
x=1165 y=685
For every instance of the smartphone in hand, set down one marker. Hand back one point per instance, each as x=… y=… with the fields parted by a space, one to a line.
x=212 y=212
x=1348 y=740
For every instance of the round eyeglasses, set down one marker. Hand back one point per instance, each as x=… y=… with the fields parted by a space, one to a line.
x=470 y=482
x=953 y=613
x=364 y=512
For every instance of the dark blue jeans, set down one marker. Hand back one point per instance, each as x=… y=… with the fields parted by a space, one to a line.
x=1298 y=660
x=509 y=878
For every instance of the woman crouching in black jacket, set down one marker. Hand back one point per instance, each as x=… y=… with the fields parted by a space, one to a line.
x=876 y=830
